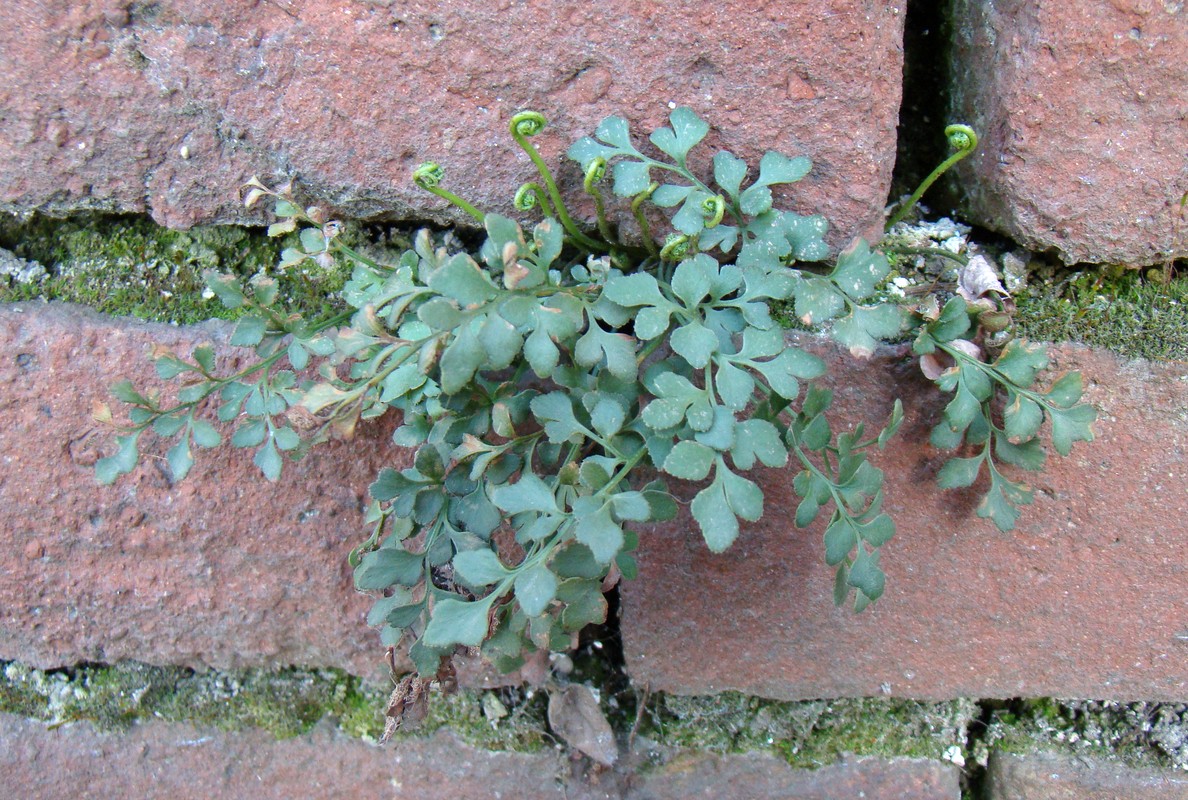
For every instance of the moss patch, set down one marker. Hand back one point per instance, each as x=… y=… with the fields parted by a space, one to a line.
x=814 y=733
x=129 y=266
x=807 y=734
x=1135 y=315
x=286 y=703
x=1145 y=735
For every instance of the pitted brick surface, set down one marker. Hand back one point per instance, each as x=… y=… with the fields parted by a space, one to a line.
x=178 y=761
x=1043 y=776
x=1084 y=599
x=157 y=760
x=762 y=775
x=168 y=107
x=1083 y=112
x=223 y=569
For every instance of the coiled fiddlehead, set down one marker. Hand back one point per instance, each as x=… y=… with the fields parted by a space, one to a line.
x=530 y=123
x=962 y=138
x=527 y=123
x=594 y=173
x=531 y=195
x=676 y=247
x=713 y=209
x=429 y=175
x=964 y=141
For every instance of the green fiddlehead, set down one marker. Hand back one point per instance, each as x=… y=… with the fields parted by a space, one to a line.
x=531 y=195
x=676 y=247
x=964 y=141
x=714 y=208
x=961 y=138
x=530 y=123
x=429 y=175
x=595 y=172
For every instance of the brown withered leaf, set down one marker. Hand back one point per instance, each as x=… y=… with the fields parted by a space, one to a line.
x=574 y=715
x=613 y=576
x=301 y=419
x=101 y=412
x=977 y=280
x=929 y=308
x=407 y=705
x=933 y=365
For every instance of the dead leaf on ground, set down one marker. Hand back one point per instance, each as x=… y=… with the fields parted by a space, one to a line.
x=977 y=279
x=407 y=705
x=575 y=716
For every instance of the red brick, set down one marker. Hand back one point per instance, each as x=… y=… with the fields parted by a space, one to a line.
x=222 y=570
x=177 y=761
x=1081 y=108
x=1085 y=599
x=1051 y=777
x=757 y=776
x=351 y=97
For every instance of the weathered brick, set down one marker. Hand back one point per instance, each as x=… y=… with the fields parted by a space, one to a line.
x=168 y=107
x=226 y=570
x=1084 y=599
x=1081 y=107
x=1045 y=776
x=221 y=570
x=761 y=776
x=179 y=761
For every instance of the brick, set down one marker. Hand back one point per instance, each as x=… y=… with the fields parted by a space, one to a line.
x=758 y=776
x=179 y=761
x=225 y=570
x=1084 y=599
x=221 y=570
x=168 y=107
x=1081 y=108
x=1044 y=776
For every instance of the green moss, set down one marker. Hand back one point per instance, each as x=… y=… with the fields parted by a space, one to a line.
x=1146 y=735
x=286 y=703
x=129 y=266
x=1117 y=309
x=807 y=734
x=813 y=733
x=522 y=730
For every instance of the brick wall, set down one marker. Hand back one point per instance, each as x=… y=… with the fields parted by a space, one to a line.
x=166 y=108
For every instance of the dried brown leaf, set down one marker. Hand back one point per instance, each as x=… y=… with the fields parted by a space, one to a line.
x=978 y=279
x=574 y=715
x=933 y=365
x=407 y=705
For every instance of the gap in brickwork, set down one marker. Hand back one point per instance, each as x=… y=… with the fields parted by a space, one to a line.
x=924 y=110
x=973 y=774
x=808 y=734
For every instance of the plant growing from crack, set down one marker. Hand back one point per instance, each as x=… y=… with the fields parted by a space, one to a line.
x=964 y=141
x=554 y=381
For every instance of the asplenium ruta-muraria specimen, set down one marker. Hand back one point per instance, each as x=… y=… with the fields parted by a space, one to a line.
x=552 y=382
